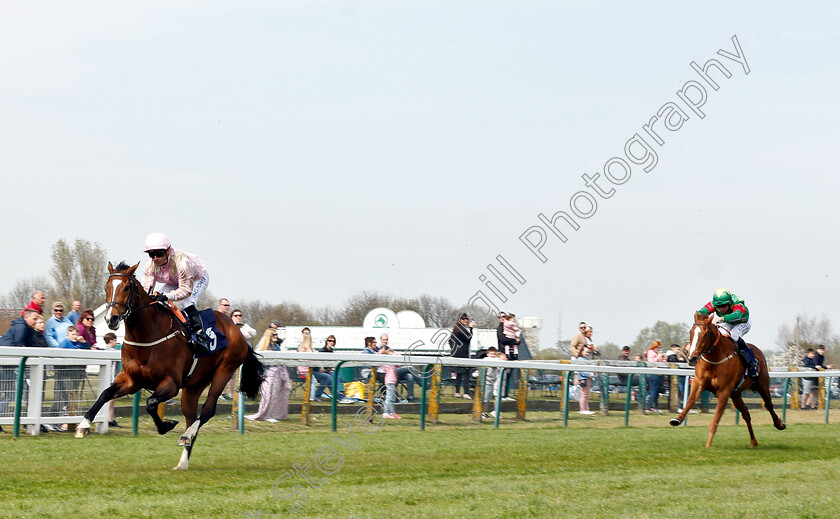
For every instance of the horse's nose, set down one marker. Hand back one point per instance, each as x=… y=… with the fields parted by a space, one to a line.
x=114 y=322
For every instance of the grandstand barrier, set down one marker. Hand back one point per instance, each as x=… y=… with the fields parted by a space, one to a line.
x=31 y=367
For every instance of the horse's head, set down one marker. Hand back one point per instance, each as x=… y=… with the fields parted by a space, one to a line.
x=122 y=293
x=702 y=337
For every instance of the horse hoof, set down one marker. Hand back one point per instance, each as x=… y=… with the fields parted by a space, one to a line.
x=675 y=422
x=82 y=433
x=167 y=426
x=781 y=427
x=184 y=441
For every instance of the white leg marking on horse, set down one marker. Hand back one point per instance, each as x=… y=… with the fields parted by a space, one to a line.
x=185 y=461
x=84 y=424
x=192 y=430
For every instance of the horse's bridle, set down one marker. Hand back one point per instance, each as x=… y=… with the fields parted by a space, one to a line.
x=702 y=355
x=132 y=295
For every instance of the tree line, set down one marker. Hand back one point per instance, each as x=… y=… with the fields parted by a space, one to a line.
x=79 y=272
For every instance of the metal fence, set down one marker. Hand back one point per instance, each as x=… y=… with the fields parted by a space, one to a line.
x=48 y=386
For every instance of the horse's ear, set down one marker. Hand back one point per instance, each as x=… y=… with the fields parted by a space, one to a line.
x=110 y=268
x=130 y=271
x=698 y=317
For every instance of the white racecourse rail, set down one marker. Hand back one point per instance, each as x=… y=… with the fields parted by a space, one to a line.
x=39 y=358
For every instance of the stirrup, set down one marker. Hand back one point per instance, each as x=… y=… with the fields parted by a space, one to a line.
x=201 y=342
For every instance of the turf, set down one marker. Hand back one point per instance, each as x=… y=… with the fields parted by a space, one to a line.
x=594 y=468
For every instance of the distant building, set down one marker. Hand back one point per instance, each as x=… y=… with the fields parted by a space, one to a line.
x=531 y=327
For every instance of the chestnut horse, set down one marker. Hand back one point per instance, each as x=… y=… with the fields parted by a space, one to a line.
x=719 y=368
x=155 y=356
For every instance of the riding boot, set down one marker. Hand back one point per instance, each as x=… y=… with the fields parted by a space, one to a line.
x=202 y=342
x=749 y=358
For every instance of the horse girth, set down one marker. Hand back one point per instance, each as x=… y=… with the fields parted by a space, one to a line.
x=716 y=362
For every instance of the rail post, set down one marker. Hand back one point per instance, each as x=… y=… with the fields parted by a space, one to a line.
x=334 y=403
x=604 y=403
x=135 y=414
x=240 y=415
x=569 y=375
x=19 y=396
x=785 y=398
x=827 y=389
x=627 y=400
x=423 y=396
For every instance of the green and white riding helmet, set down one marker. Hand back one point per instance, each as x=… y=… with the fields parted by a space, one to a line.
x=722 y=297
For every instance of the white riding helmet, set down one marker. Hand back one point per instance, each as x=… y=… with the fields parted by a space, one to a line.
x=156 y=241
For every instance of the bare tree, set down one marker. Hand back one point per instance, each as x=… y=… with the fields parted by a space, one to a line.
x=436 y=311
x=21 y=293
x=808 y=332
x=358 y=306
x=79 y=272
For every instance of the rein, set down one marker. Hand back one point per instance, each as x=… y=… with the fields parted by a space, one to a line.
x=717 y=339
x=133 y=293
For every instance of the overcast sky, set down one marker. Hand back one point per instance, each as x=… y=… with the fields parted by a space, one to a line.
x=310 y=150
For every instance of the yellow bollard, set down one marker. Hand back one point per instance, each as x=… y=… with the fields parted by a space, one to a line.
x=794 y=397
x=307 y=388
x=522 y=395
x=821 y=397
x=434 y=395
x=477 y=394
x=370 y=389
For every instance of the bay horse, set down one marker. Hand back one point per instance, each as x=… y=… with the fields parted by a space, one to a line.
x=155 y=356
x=719 y=368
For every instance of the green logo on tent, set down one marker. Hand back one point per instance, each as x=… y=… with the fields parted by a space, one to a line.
x=381 y=321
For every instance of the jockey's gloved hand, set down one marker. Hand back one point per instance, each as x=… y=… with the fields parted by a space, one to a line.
x=159 y=297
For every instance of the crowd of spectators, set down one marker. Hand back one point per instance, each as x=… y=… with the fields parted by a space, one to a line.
x=76 y=330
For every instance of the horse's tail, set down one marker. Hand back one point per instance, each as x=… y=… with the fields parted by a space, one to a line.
x=252 y=376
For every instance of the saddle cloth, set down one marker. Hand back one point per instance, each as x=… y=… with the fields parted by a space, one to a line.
x=218 y=340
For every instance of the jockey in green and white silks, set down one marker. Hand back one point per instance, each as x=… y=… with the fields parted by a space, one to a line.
x=734 y=317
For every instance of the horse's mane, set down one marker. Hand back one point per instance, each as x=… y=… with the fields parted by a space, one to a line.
x=122 y=267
